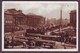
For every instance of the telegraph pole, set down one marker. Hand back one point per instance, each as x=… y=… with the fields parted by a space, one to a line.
x=13 y=29
x=60 y=19
x=13 y=33
x=60 y=26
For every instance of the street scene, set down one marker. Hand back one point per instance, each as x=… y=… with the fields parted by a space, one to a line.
x=40 y=25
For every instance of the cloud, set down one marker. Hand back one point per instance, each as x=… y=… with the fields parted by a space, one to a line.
x=49 y=10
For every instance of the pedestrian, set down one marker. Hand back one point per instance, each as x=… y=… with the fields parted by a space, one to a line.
x=24 y=44
x=62 y=37
x=66 y=37
x=6 y=43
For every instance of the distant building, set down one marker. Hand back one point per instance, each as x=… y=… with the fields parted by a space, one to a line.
x=65 y=22
x=51 y=22
x=73 y=18
x=35 y=20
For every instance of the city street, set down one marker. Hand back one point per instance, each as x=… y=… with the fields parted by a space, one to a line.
x=40 y=25
x=20 y=36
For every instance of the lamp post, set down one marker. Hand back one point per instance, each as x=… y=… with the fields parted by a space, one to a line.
x=12 y=40
x=60 y=26
x=60 y=18
x=13 y=28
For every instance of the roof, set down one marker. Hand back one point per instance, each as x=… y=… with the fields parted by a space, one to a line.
x=73 y=11
x=32 y=15
x=12 y=11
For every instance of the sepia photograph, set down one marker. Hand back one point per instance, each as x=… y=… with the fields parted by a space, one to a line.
x=39 y=26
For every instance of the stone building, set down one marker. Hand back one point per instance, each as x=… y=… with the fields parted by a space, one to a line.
x=13 y=18
x=35 y=20
x=73 y=18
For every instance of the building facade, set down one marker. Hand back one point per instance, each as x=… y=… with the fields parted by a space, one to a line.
x=35 y=20
x=13 y=18
x=73 y=18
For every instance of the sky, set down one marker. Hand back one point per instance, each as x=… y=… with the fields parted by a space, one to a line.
x=48 y=10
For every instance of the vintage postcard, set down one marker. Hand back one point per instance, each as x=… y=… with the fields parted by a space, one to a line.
x=39 y=26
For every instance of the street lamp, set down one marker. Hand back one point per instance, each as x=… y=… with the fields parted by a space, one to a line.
x=60 y=18
x=13 y=28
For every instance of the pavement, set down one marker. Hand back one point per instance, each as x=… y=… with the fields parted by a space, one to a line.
x=63 y=45
x=58 y=45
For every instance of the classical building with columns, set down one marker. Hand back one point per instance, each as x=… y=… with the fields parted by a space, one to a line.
x=35 y=20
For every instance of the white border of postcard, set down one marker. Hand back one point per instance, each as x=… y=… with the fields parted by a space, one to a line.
x=3 y=49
